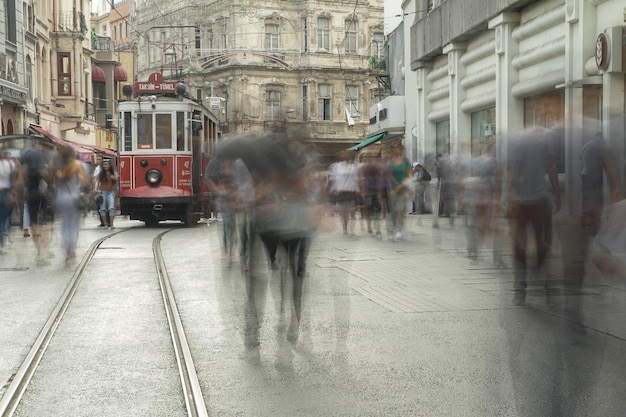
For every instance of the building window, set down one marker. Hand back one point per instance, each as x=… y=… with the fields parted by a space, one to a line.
x=352 y=100
x=29 y=21
x=305 y=101
x=272 y=105
x=324 y=108
x=198 y=37
x=9 y=18
x=64 y=72
x=100 y=92
x=305 y=35
x=350 y=42
x=442 y=137
x=483 y=130
x=323 y=34
x=378 y=45
x=225 y=34
x=29 y=76
x=271 y=36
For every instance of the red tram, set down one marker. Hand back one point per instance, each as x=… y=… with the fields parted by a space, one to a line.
x=164 y=145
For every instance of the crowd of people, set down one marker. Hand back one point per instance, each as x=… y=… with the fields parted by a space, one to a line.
x=47 y=183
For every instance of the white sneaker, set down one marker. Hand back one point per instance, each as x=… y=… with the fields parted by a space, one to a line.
x=397 y=236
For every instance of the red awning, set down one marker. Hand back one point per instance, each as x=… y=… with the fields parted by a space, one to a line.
x=83 y=153
x=98 y=75
x=120 y=74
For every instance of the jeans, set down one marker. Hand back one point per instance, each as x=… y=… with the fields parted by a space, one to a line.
x=108 y=203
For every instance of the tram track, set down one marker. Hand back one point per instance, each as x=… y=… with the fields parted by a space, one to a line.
x=193 y=399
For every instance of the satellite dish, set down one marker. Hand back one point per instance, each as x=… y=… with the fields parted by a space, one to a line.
x=414 y=131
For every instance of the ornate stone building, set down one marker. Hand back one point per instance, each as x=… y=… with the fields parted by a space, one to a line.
x=304 y=66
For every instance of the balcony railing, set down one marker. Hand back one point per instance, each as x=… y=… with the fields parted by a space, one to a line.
x=70 y=22
x=102 y=43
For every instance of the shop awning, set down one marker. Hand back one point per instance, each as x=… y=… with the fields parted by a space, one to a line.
x=98 y=75
x=119 y=74
x=83 y=153
x=368 y=141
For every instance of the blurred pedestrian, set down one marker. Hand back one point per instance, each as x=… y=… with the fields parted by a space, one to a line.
x=94 y=186
x=71 y=178
x=422 y=180
x=344 y=186
x=107 y=181
x=531 y=202
x=447 y=178
x=401 y=189
x=8 y=198
x=373 y=189
x=577 y=232
x=37 y=175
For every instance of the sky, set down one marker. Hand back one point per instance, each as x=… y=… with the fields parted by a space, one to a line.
x=392 y=9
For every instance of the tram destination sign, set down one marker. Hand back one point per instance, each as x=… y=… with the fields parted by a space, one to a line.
x=155 y=84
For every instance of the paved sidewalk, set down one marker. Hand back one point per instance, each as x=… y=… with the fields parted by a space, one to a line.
x=430 y=271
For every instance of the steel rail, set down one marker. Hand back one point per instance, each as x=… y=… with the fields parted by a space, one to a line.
x=15 y=391
x=194 y=400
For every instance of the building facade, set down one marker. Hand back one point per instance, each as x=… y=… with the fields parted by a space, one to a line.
x=274 y=65
x=486 y=69
x=15 y=69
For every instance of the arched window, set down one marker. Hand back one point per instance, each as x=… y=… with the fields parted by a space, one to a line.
x=9 y=127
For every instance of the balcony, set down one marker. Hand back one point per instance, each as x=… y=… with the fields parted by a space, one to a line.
x=102 y=43
x=453 y=21
x=70 y=22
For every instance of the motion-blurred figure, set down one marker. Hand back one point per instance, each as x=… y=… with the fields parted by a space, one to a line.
x=478 y=179
x=37 y=174
x=8 y=198
x=446 y=173
x=576 y=234
x=373 y=189
x=71 y=178
x=282 y=219
x=344 y=186
x=530 y=206
x=401 y=189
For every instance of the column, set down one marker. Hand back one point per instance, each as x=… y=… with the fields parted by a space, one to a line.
x=460 y=122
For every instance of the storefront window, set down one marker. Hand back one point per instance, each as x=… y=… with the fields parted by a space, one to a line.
x=547 y=110
x=483 y=130
x=442 y=140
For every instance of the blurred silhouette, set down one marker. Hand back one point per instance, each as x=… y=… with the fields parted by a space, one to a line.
x=530 y=206
x=282 y=220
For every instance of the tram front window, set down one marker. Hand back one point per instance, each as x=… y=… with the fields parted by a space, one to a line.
x=144 y=131
x=163 y=131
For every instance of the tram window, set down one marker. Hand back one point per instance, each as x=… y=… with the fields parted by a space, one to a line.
x=144 y=131
x=180 y=131
x=128 y=131
x=164 y=131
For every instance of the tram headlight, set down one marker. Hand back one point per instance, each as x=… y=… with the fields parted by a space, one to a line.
x=154 y=176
